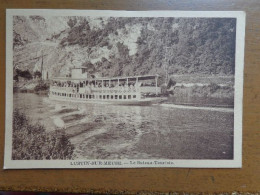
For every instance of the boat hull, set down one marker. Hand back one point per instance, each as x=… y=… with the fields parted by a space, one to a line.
x=141 y=102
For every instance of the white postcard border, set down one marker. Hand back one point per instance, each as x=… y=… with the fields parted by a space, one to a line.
x=238 y=103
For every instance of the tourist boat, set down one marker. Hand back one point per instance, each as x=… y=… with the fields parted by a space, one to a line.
x=126 y=90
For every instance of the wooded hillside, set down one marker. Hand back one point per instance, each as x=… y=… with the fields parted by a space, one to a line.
x=133 y=46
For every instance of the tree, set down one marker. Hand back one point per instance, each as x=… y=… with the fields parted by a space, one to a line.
x=90 y=67
x=72 y=22
x=37 y=74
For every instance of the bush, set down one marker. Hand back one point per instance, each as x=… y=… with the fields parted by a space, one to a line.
x=32 y=142
x=25 y=74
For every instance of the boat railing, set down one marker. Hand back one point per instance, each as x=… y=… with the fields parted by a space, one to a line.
x=95 y=89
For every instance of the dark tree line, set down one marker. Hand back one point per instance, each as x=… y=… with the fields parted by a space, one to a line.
x=175 y=45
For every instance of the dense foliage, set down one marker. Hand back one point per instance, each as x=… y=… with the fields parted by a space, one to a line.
x=172 y=45
x=32 y=142
x=22 y=73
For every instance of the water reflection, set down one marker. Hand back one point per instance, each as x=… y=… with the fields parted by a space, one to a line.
x=101 y=131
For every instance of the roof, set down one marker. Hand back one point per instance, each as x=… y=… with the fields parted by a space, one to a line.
x=130 y=78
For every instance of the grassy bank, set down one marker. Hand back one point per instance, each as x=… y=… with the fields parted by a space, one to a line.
x=32 y=142
x=211 y=91
x=205 y=79
x=203 y=90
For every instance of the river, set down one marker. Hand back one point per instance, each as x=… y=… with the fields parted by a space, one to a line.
x=102 y=131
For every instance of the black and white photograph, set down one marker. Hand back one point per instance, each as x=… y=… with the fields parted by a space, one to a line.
x=122 y=89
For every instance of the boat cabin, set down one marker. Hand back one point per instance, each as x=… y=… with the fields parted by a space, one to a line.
x=79 y=73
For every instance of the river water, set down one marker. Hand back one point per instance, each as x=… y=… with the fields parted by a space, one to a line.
x=102 y=131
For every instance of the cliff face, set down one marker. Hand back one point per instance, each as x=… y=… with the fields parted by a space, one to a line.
x=125 y=46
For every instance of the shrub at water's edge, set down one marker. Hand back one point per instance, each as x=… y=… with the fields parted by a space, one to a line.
x=32 y=142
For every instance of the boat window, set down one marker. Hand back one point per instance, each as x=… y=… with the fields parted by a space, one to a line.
x=124 y=96
x=104 y=97
x=129 y=96
x=120 y=97
x=115 y=96
x=100 y=97
x=80 y=95
x=90 y=97
x=134 y=96
x=107 y=96
x=112 y=97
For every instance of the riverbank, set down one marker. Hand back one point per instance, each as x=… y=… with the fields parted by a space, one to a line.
x=32 y=86
x=32 y=142
x=197 y=90
x=208 y=96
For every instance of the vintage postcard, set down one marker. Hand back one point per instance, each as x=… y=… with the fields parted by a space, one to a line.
x=123 y=89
